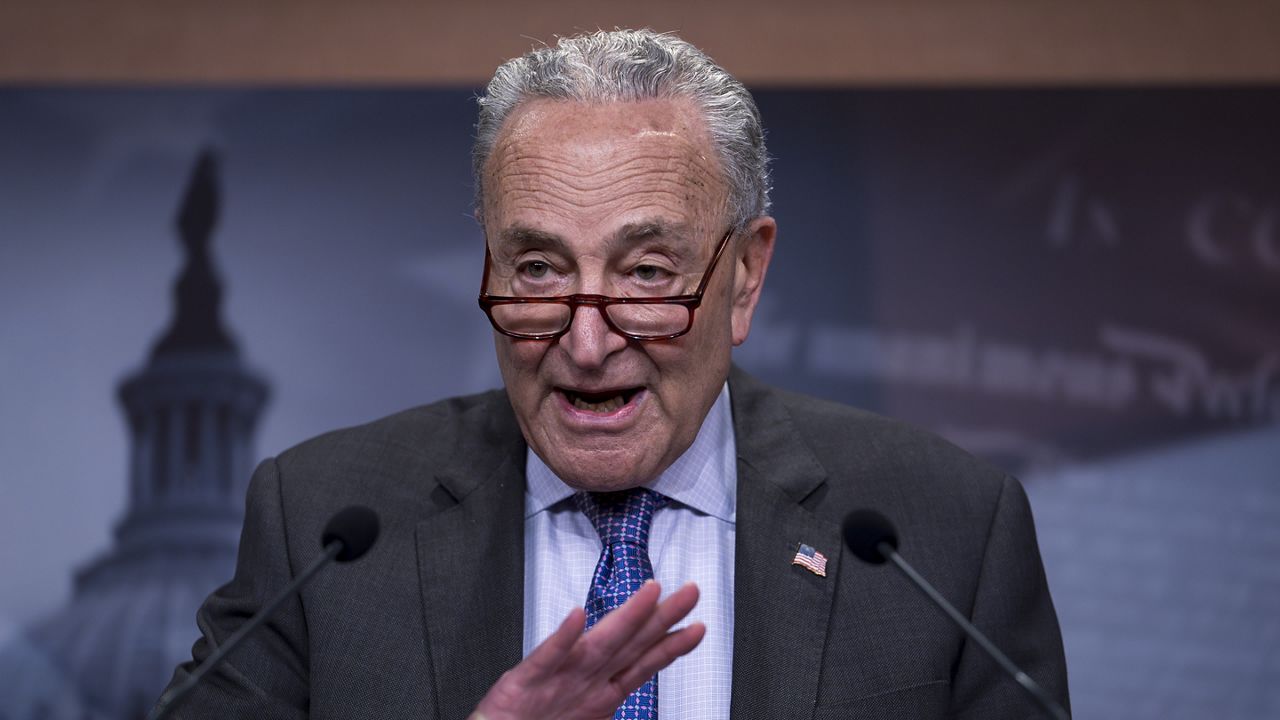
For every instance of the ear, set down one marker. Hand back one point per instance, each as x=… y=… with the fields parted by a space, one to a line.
x=751 y=262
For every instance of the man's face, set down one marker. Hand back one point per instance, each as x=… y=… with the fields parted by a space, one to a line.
x=616 y=199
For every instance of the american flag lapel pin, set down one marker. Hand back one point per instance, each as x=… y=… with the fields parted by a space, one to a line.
x=811 y=560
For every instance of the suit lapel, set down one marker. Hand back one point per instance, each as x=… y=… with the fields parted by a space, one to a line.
x=781 y=611
x=471 y=563
x=471 y=566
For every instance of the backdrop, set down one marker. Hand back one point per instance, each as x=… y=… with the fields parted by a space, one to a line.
x=1082 y=286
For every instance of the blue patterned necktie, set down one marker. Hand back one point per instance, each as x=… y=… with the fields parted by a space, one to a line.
x=622 y=519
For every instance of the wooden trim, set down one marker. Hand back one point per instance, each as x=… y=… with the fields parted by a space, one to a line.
x=778 y=43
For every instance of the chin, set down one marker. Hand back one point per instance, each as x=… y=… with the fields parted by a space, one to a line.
x=604 y=472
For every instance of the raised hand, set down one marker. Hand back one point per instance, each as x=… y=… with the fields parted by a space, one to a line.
x=585 y=676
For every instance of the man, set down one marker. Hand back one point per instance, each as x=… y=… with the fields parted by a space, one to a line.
x=622 y=187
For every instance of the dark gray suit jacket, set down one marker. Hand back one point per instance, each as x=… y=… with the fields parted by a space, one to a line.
x=425 y=623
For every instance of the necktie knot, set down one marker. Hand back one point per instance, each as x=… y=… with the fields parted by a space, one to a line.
x=621 y=517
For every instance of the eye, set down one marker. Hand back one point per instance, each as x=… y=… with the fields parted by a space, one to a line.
x=650 y=273
x=535 y=269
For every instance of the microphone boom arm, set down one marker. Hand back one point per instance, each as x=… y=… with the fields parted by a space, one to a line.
x=169 y=701
x=1032 y=687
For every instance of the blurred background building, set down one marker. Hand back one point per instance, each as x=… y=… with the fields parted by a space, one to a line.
x=191 y=413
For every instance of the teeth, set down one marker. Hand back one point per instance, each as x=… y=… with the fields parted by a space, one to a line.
x=607 y=406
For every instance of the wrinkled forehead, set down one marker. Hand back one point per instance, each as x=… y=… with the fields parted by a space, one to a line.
x=661 y=116
x=583 y=164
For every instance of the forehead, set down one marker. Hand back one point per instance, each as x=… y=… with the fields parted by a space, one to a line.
x=576 y=169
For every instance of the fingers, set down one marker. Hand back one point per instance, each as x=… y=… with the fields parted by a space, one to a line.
x=594 y=671
x=677 y=606
x=660 y=655
x=520 y=686
x=552 y=653
x=622 y=625
x=655 y=626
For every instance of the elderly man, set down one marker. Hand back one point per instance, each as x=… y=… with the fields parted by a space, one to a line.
x=622 y=187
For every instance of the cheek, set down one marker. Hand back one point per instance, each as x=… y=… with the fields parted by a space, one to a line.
x=696 y=364
x=518 y=361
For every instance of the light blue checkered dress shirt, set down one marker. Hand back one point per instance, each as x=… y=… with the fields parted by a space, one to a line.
x=691 y=540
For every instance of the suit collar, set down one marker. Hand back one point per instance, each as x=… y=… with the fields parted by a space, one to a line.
x=781 y=610
x=768 y=441
x=487 y=439
x=471 y=559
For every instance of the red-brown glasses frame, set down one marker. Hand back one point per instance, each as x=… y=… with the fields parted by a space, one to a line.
x=690 y=302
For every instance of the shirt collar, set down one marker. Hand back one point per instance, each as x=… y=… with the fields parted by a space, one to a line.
x=704 y=478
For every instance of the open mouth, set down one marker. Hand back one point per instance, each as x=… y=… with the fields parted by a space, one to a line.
x=603 y=402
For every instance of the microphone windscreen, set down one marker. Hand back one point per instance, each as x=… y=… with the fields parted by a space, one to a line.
x=356 y=527
x=864 y=530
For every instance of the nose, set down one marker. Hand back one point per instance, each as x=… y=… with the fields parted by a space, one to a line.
x=590 y=340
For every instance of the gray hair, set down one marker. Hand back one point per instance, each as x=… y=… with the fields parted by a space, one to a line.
x=628 y=65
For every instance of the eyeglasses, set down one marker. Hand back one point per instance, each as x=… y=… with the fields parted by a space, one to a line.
x=637 y=318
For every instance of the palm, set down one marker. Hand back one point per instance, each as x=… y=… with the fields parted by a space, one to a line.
x=585 y=676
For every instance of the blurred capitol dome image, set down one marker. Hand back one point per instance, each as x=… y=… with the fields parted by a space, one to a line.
x=191 y=413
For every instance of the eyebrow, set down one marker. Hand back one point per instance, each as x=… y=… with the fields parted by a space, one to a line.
x=674 y=235
x=521 y=236
x=632 y=232
x=675 y=239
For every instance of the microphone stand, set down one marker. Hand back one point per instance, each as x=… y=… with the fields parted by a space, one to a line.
x=1048 y=704
x=169 y=701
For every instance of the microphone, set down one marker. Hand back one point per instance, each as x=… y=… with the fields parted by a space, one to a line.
x=348 y=535
x=871 y=537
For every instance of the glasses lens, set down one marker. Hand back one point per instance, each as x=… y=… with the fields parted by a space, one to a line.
x=649 y=319
x=531 y=318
